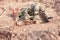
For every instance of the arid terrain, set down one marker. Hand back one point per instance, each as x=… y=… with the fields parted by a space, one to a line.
x=32 y=31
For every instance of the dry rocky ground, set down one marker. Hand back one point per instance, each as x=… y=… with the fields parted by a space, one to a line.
x=29 y=32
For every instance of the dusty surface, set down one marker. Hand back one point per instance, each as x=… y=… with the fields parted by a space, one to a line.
x=6 y=21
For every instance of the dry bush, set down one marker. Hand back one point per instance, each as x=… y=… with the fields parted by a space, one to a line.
x=5 y=35
x=36 y=35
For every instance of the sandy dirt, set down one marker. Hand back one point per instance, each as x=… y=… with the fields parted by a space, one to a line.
x=6 y=21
